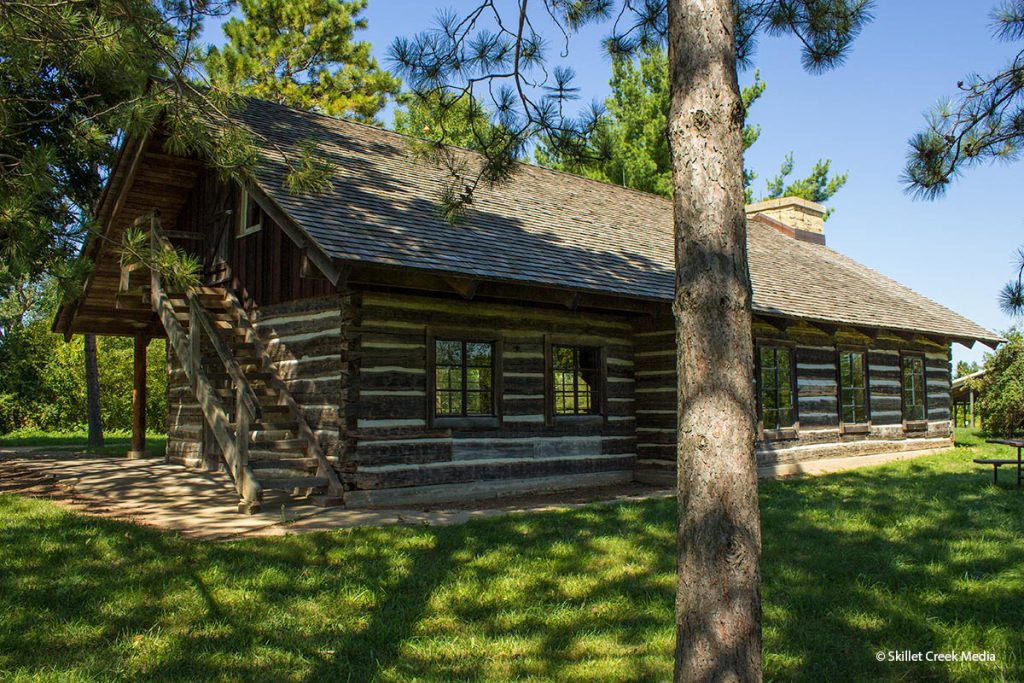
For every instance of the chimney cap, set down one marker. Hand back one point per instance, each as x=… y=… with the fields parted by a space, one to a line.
x=769 y=204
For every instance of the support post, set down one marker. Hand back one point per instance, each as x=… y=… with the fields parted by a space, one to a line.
x=971 y=394
x=139 y=400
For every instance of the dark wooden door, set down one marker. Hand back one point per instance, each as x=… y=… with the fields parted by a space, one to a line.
x=219 y=233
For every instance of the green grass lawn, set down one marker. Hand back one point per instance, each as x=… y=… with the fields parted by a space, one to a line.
x=116 y=442
x=920 y=555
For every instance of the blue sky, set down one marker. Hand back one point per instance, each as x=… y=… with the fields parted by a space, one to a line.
x=957 y=250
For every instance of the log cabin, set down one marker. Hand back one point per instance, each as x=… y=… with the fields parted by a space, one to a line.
x=357 y=348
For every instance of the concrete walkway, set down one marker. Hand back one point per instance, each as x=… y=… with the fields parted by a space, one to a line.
x=203 y=504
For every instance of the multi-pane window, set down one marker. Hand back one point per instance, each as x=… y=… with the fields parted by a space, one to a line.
x=251 y=216
x=913 y=388
x=577 y=373
x=464 y=374
x=775 y=387
x=853 y=395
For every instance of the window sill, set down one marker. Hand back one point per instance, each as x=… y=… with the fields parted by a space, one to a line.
x=251 y=230
x=580 y=419
x=468 y=422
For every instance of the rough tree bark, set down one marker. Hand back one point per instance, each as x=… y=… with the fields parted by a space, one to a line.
x=92 y=392
x=718 y=604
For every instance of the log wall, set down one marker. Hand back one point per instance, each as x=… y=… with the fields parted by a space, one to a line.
x=184 y=418
x=306 y=343
x=399 y=443
x=819 y=433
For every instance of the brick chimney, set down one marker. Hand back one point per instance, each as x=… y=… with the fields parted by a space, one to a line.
x=792 y=216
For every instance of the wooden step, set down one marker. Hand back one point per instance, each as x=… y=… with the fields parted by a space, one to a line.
x=261 y=392
x=270 y=426
x=184 y=318
x=261 y=376
x=211 y=291
x=287 y=483
x=208 y=300
x=213 y=365
x=278 y=445
x=261 y=435
x=283 y=463
x=274 y=409
x=270 y=411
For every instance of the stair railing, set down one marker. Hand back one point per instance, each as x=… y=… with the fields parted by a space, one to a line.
x=232 y=439
x=247 y=405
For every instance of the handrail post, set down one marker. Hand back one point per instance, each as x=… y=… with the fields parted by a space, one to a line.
x=195 y=342
x=241 y=438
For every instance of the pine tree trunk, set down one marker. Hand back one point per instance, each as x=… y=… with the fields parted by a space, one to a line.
x=92 y=392
x=718 y=603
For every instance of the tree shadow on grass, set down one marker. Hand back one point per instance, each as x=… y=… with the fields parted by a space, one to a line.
x=913 y=558
x=369 y=604
x=920 y=556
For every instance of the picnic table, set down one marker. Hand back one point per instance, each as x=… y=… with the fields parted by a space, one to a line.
x=999 y=462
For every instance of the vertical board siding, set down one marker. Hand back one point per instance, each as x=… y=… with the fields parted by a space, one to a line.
x=265 y=267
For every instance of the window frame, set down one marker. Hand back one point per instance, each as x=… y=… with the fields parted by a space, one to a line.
x=600 y=413
x=472 y=420
x=789 y=431
x=920 y=424
x=853 y=427
x=243 y=229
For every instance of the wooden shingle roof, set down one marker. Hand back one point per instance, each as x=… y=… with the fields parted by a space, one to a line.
x=551 y=228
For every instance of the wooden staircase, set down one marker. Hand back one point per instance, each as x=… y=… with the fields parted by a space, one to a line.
x=261 y=432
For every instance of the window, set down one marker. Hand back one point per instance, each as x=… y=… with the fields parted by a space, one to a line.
x=853 y=395
x=576 y=378
x=464 y=378
x=913 y=388
x=251 y=216
x=775 y=387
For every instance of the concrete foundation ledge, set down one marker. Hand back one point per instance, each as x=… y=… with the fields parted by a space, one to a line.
x=663 y=472
x=480 y=490
x=829 y=465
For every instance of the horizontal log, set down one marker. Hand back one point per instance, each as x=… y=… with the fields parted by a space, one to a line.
x=498 y=469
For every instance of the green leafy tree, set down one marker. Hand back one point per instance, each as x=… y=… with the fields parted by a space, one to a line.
x=43 y=378
x=982 y=123
x=963 y=368
x=1001 y=389
x=493 y=53
x=302 y=53
x=71 y=76
x=630 y=145
x=76 y=76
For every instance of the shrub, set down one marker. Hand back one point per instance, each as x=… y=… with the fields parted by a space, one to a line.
x=1002 y=388
x=42 y=381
